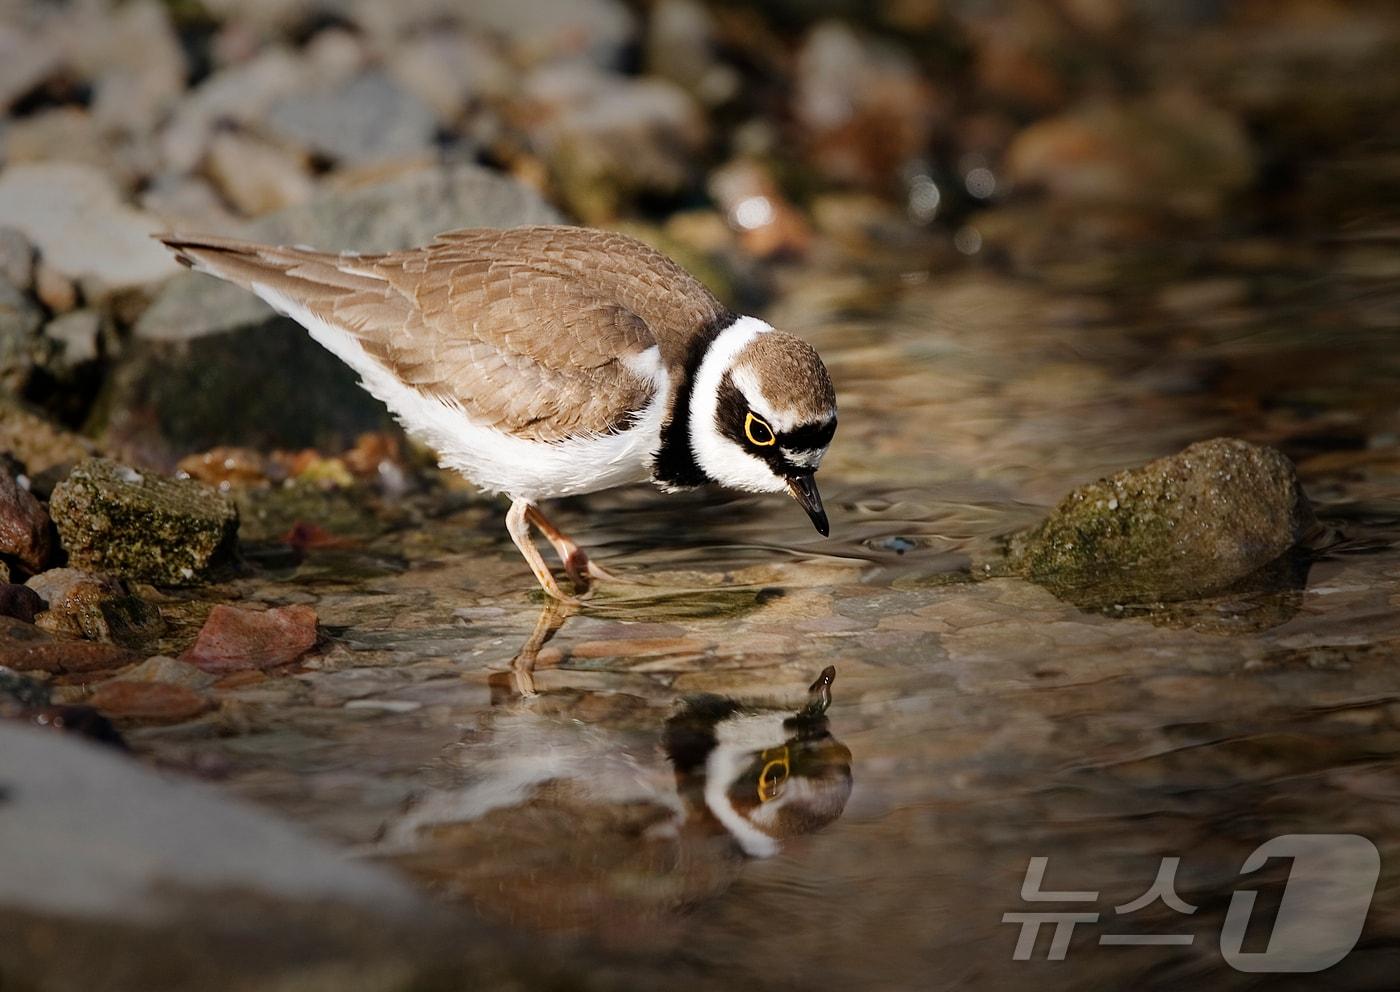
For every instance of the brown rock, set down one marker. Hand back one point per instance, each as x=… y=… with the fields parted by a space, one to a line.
x=865 y=107
x=53 y=289
x=171 y=670
x=1174 y=154
x=97 y=607
x=158 y=702
x=25 y=531
x=26 y=648
x=38 y=443
x=257 y=176
x=233 y=638
x=18 y=602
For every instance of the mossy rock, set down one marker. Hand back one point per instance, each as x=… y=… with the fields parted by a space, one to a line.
x=1177 y=528
x=114 y=519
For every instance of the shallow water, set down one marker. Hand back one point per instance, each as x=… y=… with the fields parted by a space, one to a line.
x=516 y=762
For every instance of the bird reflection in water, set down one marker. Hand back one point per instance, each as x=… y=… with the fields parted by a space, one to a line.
x=762 y=776
x=554 y=805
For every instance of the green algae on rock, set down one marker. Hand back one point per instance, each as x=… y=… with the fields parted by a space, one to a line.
x=114 y=519
x=1176 y=528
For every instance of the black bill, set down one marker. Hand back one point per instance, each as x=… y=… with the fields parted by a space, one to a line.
x=804 y=490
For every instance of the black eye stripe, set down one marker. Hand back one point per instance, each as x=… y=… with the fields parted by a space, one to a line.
x=809 y=437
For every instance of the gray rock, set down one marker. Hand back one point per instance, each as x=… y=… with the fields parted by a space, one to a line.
x=159 y=836
x=608 y=137
x=97 y=607
x=25 y=62
x=184 y=385
x=114 y=519
x=113 y=875
x=20 y=346
x=1177 y=528
x=16 y=259
x=76 y=335
x=19 y=693
x=368 y=119
x=73 y=214
x=170 y=671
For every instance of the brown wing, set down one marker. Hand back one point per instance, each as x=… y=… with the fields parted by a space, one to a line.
x=524 y=336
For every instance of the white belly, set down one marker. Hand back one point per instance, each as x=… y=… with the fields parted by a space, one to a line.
x=494 y=460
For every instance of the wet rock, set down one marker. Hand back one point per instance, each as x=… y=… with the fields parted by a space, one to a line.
x=20 y=347
x=233 y=639
x=75 y=217
x=170 y=671
x=76 y=335
x=168 y=531
x=25 y=531
x=368 y=119
x=97 y=607
x=1177 y=528
x=16 y=259
x=152 y=702
x=608 y=137
x=865 y=107
x=19 y=602
x=257 y=177
x=26 y=648
x=1174 y=153
x=79 y=721
x=19 y=693
x=184 y=385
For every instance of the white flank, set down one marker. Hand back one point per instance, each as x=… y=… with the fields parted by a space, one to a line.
x=494 y=460
x=723 y=460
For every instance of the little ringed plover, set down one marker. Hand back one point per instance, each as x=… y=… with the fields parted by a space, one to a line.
x=543 y=362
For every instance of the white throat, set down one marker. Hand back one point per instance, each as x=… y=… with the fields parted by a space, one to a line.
x=721 y=459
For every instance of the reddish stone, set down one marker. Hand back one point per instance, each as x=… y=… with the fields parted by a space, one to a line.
x=160 y=702
x=233 y=639
x=25 y=531
x=26 y=648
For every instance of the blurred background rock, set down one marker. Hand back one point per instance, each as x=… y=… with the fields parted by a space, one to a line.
x=1074 y=139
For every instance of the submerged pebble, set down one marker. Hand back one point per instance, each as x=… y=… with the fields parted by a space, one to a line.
x=233 y=639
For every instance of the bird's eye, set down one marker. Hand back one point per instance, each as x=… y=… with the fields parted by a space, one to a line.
x=774 y=773
x=758 y=432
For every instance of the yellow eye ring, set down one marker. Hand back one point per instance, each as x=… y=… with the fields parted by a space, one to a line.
x=749 y=422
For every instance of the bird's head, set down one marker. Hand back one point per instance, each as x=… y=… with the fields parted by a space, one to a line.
x=763 y=412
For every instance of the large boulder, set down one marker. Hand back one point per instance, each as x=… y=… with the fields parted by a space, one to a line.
x=1177 y=528
x=136 y=525
x=212 y=364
